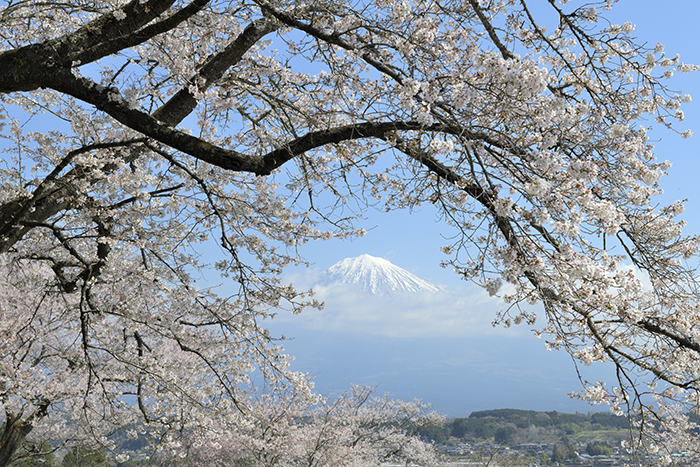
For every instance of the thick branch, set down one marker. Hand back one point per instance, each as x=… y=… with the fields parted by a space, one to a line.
x=114 y=105
x=112 y=45
x=76 y=46
x=183 y=103
x=678 y=339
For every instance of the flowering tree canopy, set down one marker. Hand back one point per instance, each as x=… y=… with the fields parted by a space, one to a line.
x=137 y=131
x=358 y=429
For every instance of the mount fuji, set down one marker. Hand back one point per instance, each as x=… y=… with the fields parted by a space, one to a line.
x=376 y=276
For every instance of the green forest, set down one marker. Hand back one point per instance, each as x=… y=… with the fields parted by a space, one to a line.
x=505 y=426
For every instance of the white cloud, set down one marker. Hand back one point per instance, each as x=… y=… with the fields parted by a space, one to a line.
x=458 y=313
x=640 y=275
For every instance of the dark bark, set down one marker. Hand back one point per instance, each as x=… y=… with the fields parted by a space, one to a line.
x=15 y=430
x=31 y=67
x=183 y=102
x=13 y=434
x=110 y=45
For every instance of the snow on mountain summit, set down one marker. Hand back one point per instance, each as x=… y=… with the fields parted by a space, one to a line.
x=376 y=276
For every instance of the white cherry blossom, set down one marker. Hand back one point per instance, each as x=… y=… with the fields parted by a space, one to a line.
x=136 y=133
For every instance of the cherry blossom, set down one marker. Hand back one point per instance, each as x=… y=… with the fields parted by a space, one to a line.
x=357 y=429
x=137 y=134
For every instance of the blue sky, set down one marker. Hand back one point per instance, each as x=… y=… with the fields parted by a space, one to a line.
x=449 y=355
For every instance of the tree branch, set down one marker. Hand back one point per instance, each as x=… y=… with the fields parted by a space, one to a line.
x=183 y=102
x=77 y=46
x=110 y=45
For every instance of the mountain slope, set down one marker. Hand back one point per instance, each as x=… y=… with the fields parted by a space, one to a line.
x=376 y=276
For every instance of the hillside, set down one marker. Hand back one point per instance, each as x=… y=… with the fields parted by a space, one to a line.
x=513 y=426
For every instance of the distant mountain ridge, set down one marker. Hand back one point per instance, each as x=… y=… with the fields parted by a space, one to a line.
x=375 y=276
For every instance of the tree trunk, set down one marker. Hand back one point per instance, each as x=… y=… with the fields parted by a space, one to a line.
x=13 y=433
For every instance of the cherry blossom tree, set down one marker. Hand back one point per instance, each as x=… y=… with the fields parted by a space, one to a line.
x=138 y=132
x=357 y=429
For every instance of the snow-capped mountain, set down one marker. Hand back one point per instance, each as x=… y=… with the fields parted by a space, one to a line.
x=375 y=276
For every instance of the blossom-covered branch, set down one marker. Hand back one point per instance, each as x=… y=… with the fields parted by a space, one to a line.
x=177 y=124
